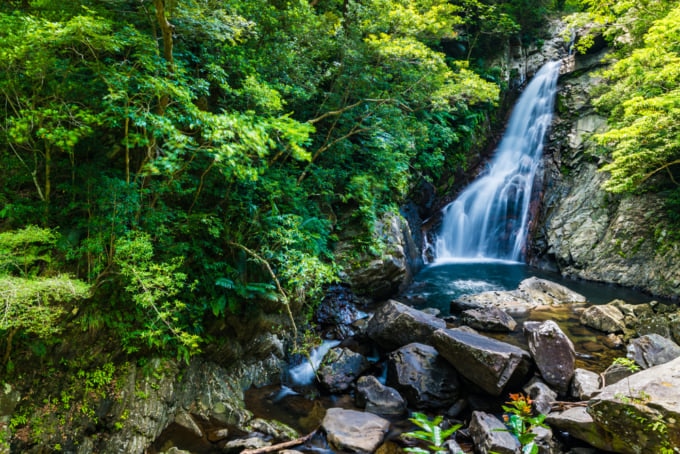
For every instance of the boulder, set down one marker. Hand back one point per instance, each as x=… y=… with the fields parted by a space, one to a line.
x=339 y=368
x=615 y=373
x=641 y=414
x=377 y=398
x=378 y=276
x=488 y=363
x=579 y=424
x=395 y=324
x=490 y=435
x=553 y=353
x=423 y=377
x=607 y=318
x=530 y=294
x=543 y=292
x=355 y=431
x=585 y=384
x=490 y=319
x=651 y=350
x=541 y=395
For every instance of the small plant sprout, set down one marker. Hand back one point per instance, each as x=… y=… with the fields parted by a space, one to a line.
x=431 y=432
x=519 y=419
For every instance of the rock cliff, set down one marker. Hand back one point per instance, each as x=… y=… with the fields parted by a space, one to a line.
x=582 y=231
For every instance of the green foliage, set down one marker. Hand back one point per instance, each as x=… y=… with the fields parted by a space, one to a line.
x=520 y=420
x=209 y=173
x=154 y=287
x=26 y=252
x=431 y=432
x=33 y=303
x=643 y=100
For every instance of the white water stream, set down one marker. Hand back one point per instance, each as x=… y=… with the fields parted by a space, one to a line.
x=489 y=219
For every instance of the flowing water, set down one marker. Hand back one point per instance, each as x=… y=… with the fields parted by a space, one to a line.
x=489 y=218
x=479 y=248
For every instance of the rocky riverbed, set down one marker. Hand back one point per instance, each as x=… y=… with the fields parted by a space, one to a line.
x=397 y=360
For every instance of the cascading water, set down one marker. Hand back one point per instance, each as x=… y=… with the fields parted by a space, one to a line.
x=489 y=218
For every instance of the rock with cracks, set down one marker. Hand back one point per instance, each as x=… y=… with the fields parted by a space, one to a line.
x=395 y=324
x=641 y=413
x=553 y=353
x=488 y=363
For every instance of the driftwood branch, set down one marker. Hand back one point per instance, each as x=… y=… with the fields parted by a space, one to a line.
x=279 y=446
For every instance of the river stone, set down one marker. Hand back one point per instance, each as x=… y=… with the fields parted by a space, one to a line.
x=585 y=384
x=377 y=398
x=530 y=294
x=615 y=373
x=541 y=395
x=339 y=369
x=356 y=431
x=628 y=409
x=488 y=363
x=490 y=434
x=395 y=324
x=423 y=377
x=489 y=319
x=607 y=318
x=553 y=353
x=240 y=444
x=652 y=350
x=543 y=292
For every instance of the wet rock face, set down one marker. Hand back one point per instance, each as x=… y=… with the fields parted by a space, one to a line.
x=340 y=368
x=381 y=277
x=423 y=377
x=582 y=231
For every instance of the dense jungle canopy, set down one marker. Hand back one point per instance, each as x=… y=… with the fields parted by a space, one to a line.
x=167 y=163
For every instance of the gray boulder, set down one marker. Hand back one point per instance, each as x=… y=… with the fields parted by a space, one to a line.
x=489 y=319
x=579 y=424
x=607 y=318
x=585 y=384
x=355 y=431
x=488 y=363
x=339 y=369
x=615 y=373
x=395 y=324
x=652 y=349
x=641 y=414
x=553 y=353
x=530 y=294
x=541 y=395
x=377 y=398
x=423 y=377
x=490 y=435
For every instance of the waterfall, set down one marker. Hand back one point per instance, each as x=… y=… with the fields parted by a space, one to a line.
x=489 y=219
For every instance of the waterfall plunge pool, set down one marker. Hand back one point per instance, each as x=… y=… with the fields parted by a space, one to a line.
x=438 y=284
